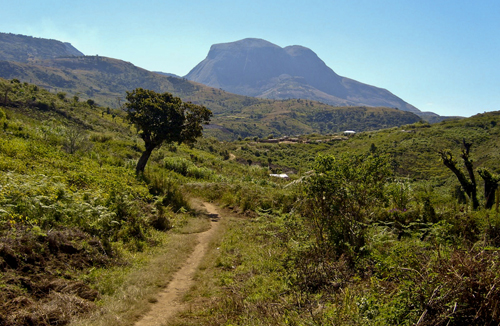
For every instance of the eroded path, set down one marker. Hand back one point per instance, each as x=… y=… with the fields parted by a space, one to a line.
x=169 y=300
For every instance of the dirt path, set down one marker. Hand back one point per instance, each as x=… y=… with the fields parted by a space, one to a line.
x=168 y=303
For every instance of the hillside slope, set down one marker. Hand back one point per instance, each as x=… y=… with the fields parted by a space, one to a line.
x=106 y=80
x=23 y=48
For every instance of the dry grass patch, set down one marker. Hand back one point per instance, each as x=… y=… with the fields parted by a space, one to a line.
x=130 y=291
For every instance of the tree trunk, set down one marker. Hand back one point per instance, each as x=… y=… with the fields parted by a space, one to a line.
x=490 y=186
x=6 y=98
x=141 y=164
x=470 y=169
x=6 y=89
x=489 y=192
x=469 y=186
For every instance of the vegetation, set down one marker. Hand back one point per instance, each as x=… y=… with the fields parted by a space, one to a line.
x=469 y=184
x=163 y=118
x=69 y=206
x=368 y=230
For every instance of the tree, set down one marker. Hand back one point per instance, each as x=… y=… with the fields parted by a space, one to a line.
x=469 y=185
x=91 y=103
x=490 y=186
x=74 y=139
x=5 y=89
x=61 y=95
x=163 y=118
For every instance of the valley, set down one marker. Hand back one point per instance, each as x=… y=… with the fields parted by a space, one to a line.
x=396 y=223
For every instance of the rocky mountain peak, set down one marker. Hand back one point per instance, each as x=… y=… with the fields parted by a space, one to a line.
x=256 y=67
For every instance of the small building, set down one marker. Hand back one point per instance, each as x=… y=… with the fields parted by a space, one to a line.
x=349 y=133
x=281 y=175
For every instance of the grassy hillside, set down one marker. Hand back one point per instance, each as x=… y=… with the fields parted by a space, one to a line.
x=75 y=222
x=368 y=230
x=70 y=204
x=413 y=148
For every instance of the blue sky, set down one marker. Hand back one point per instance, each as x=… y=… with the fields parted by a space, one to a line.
x=440 y=56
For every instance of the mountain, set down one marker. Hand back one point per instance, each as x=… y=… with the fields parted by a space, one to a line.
x=258 y=68
x=106 y=81
x=100 y=78
x=21 y=48
x=167 y=74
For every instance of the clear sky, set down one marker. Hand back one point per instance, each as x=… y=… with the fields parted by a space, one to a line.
x=438 y=55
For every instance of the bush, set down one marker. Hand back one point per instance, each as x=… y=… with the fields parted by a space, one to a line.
x=199 y=173
x=339 y=197
x=75 y=139
x=177 y=164
x=459 y=288
x=161 y=221
x=46 y=203
x=101 y=138
x=167 y=190
x=399 y=193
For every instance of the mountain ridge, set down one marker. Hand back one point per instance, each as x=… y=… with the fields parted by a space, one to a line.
x=256 y=67
x=106 y=80
x=22 y=48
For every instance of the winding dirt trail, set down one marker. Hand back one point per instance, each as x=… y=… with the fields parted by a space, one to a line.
x=168 y=303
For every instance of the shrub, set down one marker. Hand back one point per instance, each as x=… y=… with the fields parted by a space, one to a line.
x=199 y=173
x=162 y=219
x=339 y=197
x=461 y=288
x=177 y=164
x=399 y=193
x=167 y=190
x=101 y=138
x=75 y=139
x=61 y=95
x=44 y=202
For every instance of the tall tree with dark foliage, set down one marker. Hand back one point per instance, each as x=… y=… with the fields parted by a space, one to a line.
x=163 y=118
